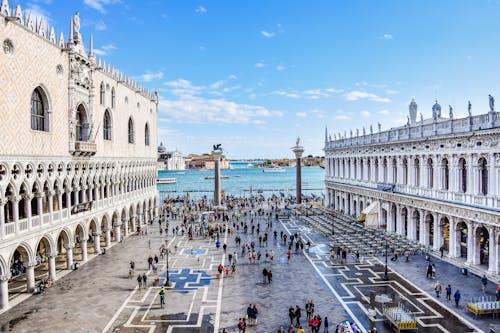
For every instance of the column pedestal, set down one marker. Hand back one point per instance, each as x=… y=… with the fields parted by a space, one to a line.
x=298 y=151
x=117 y=233
x=69 y=257
x=83 y=245
x=108 y=238
x=97 y=243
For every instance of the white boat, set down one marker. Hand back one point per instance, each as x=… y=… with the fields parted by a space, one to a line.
x=166 y=180
x=273 y=168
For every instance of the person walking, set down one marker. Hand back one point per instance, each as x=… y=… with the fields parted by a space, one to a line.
x=291 y=314
x=484 y=282
x=300 y=330
x=139 y=281
x=269 y=276
x=162 y=297
x=325 y=325
x=448 y=293
x=457 y=297
x=438 y=288
x=144 y=280
x=297 y=314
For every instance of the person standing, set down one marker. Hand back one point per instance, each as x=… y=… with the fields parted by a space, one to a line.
x=438 y=288
x=298 y=313
x=457 y=297
x=144 y=280
x=139 y=281
x=162 y=297
x=448 y=293
x=269 y=276
x=291 y=314
x=325 y=324
x=484 y=282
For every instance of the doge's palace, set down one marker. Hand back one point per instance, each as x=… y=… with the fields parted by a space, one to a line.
x=434 y=181
x=77 y=152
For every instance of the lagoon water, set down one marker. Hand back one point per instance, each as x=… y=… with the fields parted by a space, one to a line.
x=241 y=179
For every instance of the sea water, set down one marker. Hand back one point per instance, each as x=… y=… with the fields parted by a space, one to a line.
x=242 y=181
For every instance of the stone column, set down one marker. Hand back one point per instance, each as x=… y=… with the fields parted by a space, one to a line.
x=52 y=266
x=39 y=200
x=97 y=242
x=127 y=225
x=132 y=220
x=2 y=217
x=470 y=175
x=470 y=243
x=50 y=203
x=118 y=232
x=421 y=222
x=492 y=259
x=492 y=176
x=298 y=151
x=217 y=194
x=83 y=245
x=108 y=238
x=452 y=251
x=69 y=255
x=437 y=233
x=30 y=277
x=4 y=291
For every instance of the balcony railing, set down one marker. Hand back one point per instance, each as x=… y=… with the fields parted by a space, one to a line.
x=83 y=148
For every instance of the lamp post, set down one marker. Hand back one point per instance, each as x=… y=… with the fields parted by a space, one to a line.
x=386 y=275
x=167 y=282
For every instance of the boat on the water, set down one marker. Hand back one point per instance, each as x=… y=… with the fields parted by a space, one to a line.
x=221 y=177
x=166 y=180
x=273 y=168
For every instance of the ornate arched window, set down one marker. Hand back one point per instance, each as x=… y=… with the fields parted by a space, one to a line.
x=417 y=172
x=430 y=173
x=462 y=175
x=107 y=127
x=81 y=124
x=405 y=171
x=483 y=176
x=130 y=130
x=146 y=135
x=113 y=98
x=445 y=171
x=102 y=94
x=39 y=111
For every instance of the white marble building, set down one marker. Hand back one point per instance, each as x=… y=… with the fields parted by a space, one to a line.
x=77 y=152
x=434 y=180
x=170 y=160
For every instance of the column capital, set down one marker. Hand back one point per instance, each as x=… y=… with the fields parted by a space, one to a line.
x=5 y=277
x=69 y=246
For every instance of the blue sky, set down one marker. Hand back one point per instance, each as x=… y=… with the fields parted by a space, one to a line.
x=254 y=75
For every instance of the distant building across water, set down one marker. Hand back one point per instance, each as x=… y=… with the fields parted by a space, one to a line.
x=170 y=160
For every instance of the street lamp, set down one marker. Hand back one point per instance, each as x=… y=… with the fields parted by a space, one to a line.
x=167 y=282
x=386 y=275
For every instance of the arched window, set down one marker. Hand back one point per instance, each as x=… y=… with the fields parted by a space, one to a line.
x=405 y=171
x=107 y=126
x=376 y=170
x=394 y=171
x=445 y=171
x=384 y=171
x=361 y=169
x=102 y=94
x=369 y=170
x=462 y=175
x=417 y=172
x=430 y=173
x=483 y=176
x=113 y=98
x=39 y=111
x=146 y=135
x=81 y=124
x=130 y=130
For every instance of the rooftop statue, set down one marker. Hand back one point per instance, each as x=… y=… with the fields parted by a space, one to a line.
x=298 y=141
x=451 y=111
x=492 y=103
x=469 y=109
x=218 y=147
x=77 y=36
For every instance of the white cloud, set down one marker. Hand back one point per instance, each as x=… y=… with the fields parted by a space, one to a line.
x=301 y=114
x=200 y=10
x=99 y=4
x=150 y=76
x=199 y=110
x=217 y=84
x=182 y=87
x=267 y=34
x=387 y=36
x=259 y=65
x=280 y=68
x=319 y=113
x=100 y=26
x=384 y=112
x=342 y=117
x=365 y=114
x=391 y=92
x=105 y=50
x=232 y=77
x=357 y=95
x=285 y=93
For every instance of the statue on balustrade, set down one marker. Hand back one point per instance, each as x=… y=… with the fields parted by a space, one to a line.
x=492 y=103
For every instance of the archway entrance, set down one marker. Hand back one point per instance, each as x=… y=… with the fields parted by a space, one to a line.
x=416 y=222
x=393 y=218
x=383 y=218
x=429 y=222
x=483 y=242
x=444 y=225
x=404 y=222
x=80 y=250
x=92 y=248
x=462 y=239
x=22 y=277
x=64 y=258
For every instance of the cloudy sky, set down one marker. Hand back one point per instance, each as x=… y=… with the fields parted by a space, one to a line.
x=254 y=75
